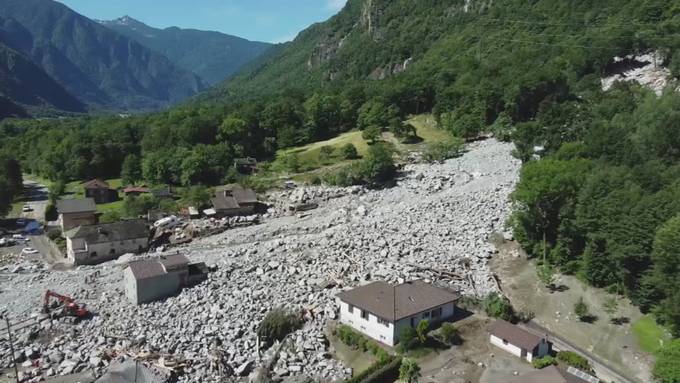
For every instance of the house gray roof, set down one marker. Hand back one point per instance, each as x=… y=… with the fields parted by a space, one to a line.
x=82 y=205
x=514 y=335
x=174 y=261
x=549 y=374
x=232 y=197
x=393 y=303
x=110 y=232
x=146 y=269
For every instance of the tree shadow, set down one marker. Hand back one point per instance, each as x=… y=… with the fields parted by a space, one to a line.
x=619 y=321
x=415 y=139
x=588 y=318
x=558 y=288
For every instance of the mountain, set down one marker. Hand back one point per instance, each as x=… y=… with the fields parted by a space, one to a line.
x=104 y=69
x=211 y=55
x=26 y=84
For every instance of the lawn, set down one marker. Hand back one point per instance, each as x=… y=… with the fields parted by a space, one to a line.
x=426 y=128
x=308 y=155
x=649 y=334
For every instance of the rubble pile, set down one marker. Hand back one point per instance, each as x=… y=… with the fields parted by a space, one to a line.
x=434 y=224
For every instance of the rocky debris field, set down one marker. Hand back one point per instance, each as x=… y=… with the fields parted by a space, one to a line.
x=434 y=224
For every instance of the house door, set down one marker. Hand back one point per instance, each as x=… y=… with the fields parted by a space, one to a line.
x=413 y=322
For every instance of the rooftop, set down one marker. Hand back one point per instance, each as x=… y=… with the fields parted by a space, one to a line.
x=174 y=261
x=514 y=335
x=146 y=269
x=549 y=374
x=96 y=184
x=397 y=302
x=110 y=232
x=83 y=205
x=232 y=197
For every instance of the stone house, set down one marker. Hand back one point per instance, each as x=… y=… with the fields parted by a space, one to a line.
x=518 y=341
x=234 y=200
x=157 y=278
x=381 y=311
x=93 y=244
x=76 y=212
x=100 y=191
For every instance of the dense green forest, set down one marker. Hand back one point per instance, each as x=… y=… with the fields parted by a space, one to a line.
x=602 y=203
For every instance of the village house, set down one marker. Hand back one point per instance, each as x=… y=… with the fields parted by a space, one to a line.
x=234 y=200
x=518 y=341
x=247 y=165
x=76 y=212
x=552 y=374
x=100 y=191
x=381 y=311
x=153 y=279
x=135 y=191
x=93 y=244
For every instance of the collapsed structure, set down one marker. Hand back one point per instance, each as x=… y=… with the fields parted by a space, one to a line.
x=234 y=200
x=153 y=279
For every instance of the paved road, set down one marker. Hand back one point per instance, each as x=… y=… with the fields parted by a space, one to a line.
x=560 y=344
x=36 y=196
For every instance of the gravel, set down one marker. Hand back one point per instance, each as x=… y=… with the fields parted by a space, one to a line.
x=434 y=224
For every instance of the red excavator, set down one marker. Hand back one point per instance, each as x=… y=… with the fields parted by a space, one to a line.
x=67 y=304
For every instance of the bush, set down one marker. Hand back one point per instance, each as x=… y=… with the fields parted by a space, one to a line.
x=54 y=234
x=440 y=151
x=573 y=359
x=51 y=213
x=351 y=338
x=408 y=339
x=371 y=134
x=422 y=329
x=349 y=152
x=277 y=324
x=378 y=168
x=409 y=371
x=110 y=216
x=450 y=334
x=543 y=362
x=381 y=371
x=497 y=306
x=581 y=309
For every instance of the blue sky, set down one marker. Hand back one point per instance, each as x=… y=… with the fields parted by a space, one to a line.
x=263 y=20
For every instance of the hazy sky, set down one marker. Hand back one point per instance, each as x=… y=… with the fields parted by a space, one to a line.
x=263 y=20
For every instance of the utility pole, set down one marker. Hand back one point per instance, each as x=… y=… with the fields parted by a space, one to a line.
x=11 y=348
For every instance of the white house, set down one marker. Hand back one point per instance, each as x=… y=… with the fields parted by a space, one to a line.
x=518 y=341
x=381 y=311
x=93 y=244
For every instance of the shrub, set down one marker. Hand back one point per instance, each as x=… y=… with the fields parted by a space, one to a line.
x=54 y=234
x=581 y=309
x=497 y=306
x=316 y=180
x=51 y=213
x=371 y=134
x=409 y=371
x=349 y=152
x=440 y=151
x=422 y=329
x=277 y=324
x=543 y=362
x=450 y=334
x=351 y=338
x=573 y=359
x=381 y=371
x=110 y=216
x=408 y=339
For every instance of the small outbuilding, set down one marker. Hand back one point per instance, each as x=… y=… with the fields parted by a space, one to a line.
x=518 y=341
x=94 y=244
x=76 y=212
x=100 y=191
x=153 y=279
x=381 y=311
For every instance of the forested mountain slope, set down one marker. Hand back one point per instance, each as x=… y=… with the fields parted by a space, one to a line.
x=102 y=68
x=213 y=56
x=602 y=201
x=25 y=84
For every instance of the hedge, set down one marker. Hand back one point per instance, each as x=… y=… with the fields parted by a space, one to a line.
x=573 y=359
x=385 y=371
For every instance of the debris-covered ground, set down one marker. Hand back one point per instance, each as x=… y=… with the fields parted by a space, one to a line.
x=434 y=224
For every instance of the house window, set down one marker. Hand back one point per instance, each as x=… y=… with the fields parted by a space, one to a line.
x=383 y=322
x=436 y=313
x=112 y=251
x=93 y=254
x=426 y=315
x=350 y=309
x=505 y=341
x=364 y=314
